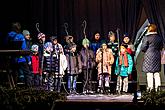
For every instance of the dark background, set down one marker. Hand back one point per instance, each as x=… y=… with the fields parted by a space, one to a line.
x=101 y=15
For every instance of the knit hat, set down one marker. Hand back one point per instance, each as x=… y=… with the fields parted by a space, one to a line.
x=41 y=35
x=25 y=32
x=53 y=38
x=111 y=33
x=85 y=42
x=125 y=35
x=103 y=42
x=34 y=48
x=48 y=45
x=124 y=45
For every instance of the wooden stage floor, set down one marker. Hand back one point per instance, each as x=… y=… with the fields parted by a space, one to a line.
x=99 y=102
x=100 y=98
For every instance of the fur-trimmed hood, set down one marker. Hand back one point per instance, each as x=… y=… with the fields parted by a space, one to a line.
x=150 y=33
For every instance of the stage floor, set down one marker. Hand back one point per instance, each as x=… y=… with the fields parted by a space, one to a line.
x=99 y=102
x=100 y=98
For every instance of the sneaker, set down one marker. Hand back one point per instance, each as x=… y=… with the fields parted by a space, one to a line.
x=74 y=92
x=90 y=92
x=85 y=92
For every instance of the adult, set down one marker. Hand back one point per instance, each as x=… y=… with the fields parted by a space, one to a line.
x=152 y=45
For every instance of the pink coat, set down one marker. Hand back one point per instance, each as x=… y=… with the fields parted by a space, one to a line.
x=108 y=60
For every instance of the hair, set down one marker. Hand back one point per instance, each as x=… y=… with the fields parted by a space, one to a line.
x=152 y=28
x=16 y=26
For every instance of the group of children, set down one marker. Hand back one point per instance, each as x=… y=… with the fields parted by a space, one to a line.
x=49 y=61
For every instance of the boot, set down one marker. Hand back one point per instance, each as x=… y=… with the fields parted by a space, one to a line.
x=107 y=91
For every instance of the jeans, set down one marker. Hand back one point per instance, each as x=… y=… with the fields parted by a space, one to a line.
x=72 y=80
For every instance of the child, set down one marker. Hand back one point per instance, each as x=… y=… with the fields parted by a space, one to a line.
x=124 y=64
x=88 y=63
x=113 y=44
x=35 y=65
x=131 y=51
x=74 y=65
x=41 y=42
x=55 y=64
x=105 y=59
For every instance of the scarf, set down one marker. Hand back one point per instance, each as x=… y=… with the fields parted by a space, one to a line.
x=123 y=55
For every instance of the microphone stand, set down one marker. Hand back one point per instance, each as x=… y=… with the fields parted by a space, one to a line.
x=118 y=84
x=102 y=80
x=57 y=61
x=70 y=64
x=87 y=73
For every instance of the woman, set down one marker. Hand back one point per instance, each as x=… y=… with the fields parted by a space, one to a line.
x=151 y=46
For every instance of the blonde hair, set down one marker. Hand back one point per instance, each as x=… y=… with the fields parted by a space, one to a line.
x=152 y=28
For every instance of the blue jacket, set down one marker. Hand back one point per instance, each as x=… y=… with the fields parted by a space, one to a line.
x=13 y=36
x=122 y=70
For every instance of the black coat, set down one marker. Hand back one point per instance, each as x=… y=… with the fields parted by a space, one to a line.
x=152 y=45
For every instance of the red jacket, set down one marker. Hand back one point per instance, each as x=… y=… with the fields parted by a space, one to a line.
x=35 y=64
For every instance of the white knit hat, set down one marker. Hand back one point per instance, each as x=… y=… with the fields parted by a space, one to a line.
x=34 y=48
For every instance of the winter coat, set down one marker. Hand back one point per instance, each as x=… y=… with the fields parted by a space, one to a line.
x=74 y=63
x=108 y=60
x=52 y=63
x=13 y=36
x=87 y=58
x=35 y=64
x=95 y=45
x=151 y=46
x=122 y=70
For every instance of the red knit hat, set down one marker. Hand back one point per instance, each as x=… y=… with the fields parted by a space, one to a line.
x=41 y=35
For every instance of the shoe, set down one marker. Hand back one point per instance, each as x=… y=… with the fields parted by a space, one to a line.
x=98 y=90
x=118 y=92
x=85 y=92
x=90 y=92
x=101 y=91
x=74 y=92
x=108 y=92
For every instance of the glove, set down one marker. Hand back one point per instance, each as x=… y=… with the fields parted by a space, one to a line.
x=29 y=63
x=80 y=70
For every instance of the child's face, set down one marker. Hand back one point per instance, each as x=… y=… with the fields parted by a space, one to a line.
x=27 y=36
x=122 y=49
x=35 y=53
x=43 y=39
x=126 y=39
x=73 y=49
x=112 y=38
x=55 y=41
x=86 y=46
x=97 y=36
x=104 y=46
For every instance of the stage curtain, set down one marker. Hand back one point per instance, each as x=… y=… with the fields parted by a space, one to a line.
x=154 y=14
x=101 y=15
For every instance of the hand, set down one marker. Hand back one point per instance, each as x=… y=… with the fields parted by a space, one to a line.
x=29 y=63
x=80 y=70
x=129 y=73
